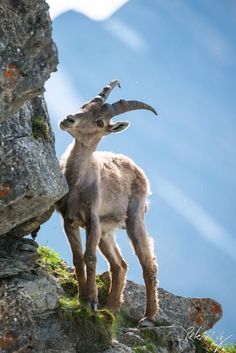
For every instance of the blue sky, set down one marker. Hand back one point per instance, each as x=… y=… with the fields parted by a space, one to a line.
x=179 y=56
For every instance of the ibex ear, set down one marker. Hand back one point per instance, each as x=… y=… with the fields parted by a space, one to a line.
x=117 y=127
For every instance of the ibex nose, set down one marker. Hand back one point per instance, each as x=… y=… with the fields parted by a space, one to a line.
x=70 y=118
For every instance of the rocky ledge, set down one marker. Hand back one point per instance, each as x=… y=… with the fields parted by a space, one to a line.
x=40 y=313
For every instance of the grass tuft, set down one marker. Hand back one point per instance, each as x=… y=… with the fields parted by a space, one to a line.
x=207 y=345
x=51 y=262
x=96 y=329
x=147 y=347
x=39 y=127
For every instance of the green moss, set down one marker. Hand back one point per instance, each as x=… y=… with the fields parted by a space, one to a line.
x=97 y=327
x=50 y=260
x=72 y=308
x=230 y=349
x=147 y=347
x=149 y=335
x=51 y=263
x=39 y=127
x=207 y=345
x=107 y=317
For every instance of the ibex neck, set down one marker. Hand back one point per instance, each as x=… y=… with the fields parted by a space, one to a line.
x=80 y=158
x=82 y=151
x=79 y=163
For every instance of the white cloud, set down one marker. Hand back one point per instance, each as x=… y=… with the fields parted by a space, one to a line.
x=61 y=95
x=126 y=34
x=204 y=223
x=96 y=10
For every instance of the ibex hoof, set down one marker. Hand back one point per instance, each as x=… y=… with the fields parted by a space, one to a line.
x=93 y=305
x=146 y=323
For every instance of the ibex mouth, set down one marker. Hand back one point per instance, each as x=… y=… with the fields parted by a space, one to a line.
x=65 y=124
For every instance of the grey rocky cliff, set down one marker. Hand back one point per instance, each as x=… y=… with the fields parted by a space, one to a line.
x=30 y=177
x=30 y=318
x=27 y=52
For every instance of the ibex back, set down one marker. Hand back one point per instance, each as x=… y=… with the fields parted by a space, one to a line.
x=106 y=191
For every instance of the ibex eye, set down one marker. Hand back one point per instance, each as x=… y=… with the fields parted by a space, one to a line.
x=100 y=123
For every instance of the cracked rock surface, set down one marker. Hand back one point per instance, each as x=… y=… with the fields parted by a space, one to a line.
x=178 y=317
x=32 y=321
x=199 y=313
x=27 y=52
x=30 y=177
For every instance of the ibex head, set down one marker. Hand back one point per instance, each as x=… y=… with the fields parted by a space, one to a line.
x=94 y=118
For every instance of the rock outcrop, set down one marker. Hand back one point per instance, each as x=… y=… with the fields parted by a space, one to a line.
x=31 y=317
x=199 y=313
x=30 y=177
x=39 y=311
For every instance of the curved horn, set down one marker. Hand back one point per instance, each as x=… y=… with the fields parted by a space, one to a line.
x=123 y=106
x=103 y=95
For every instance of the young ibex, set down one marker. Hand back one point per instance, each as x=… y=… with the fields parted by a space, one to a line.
x=106 y=191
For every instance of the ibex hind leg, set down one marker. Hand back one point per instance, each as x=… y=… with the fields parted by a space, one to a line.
x=144 y=250
x=118 y=269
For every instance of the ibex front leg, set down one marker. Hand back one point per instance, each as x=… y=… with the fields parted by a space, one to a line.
x=93 y=234
x=73 y=235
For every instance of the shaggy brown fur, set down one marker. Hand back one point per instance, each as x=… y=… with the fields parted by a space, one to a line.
x=106 y=191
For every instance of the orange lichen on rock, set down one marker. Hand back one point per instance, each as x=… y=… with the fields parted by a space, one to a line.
x=204 y=312
x=8 y=340
x=196 y=312
x=11 y=72
x=216 y=308
x=199 y=318
x=5 y=189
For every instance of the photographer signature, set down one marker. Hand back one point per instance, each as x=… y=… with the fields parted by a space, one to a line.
x=193 y=333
